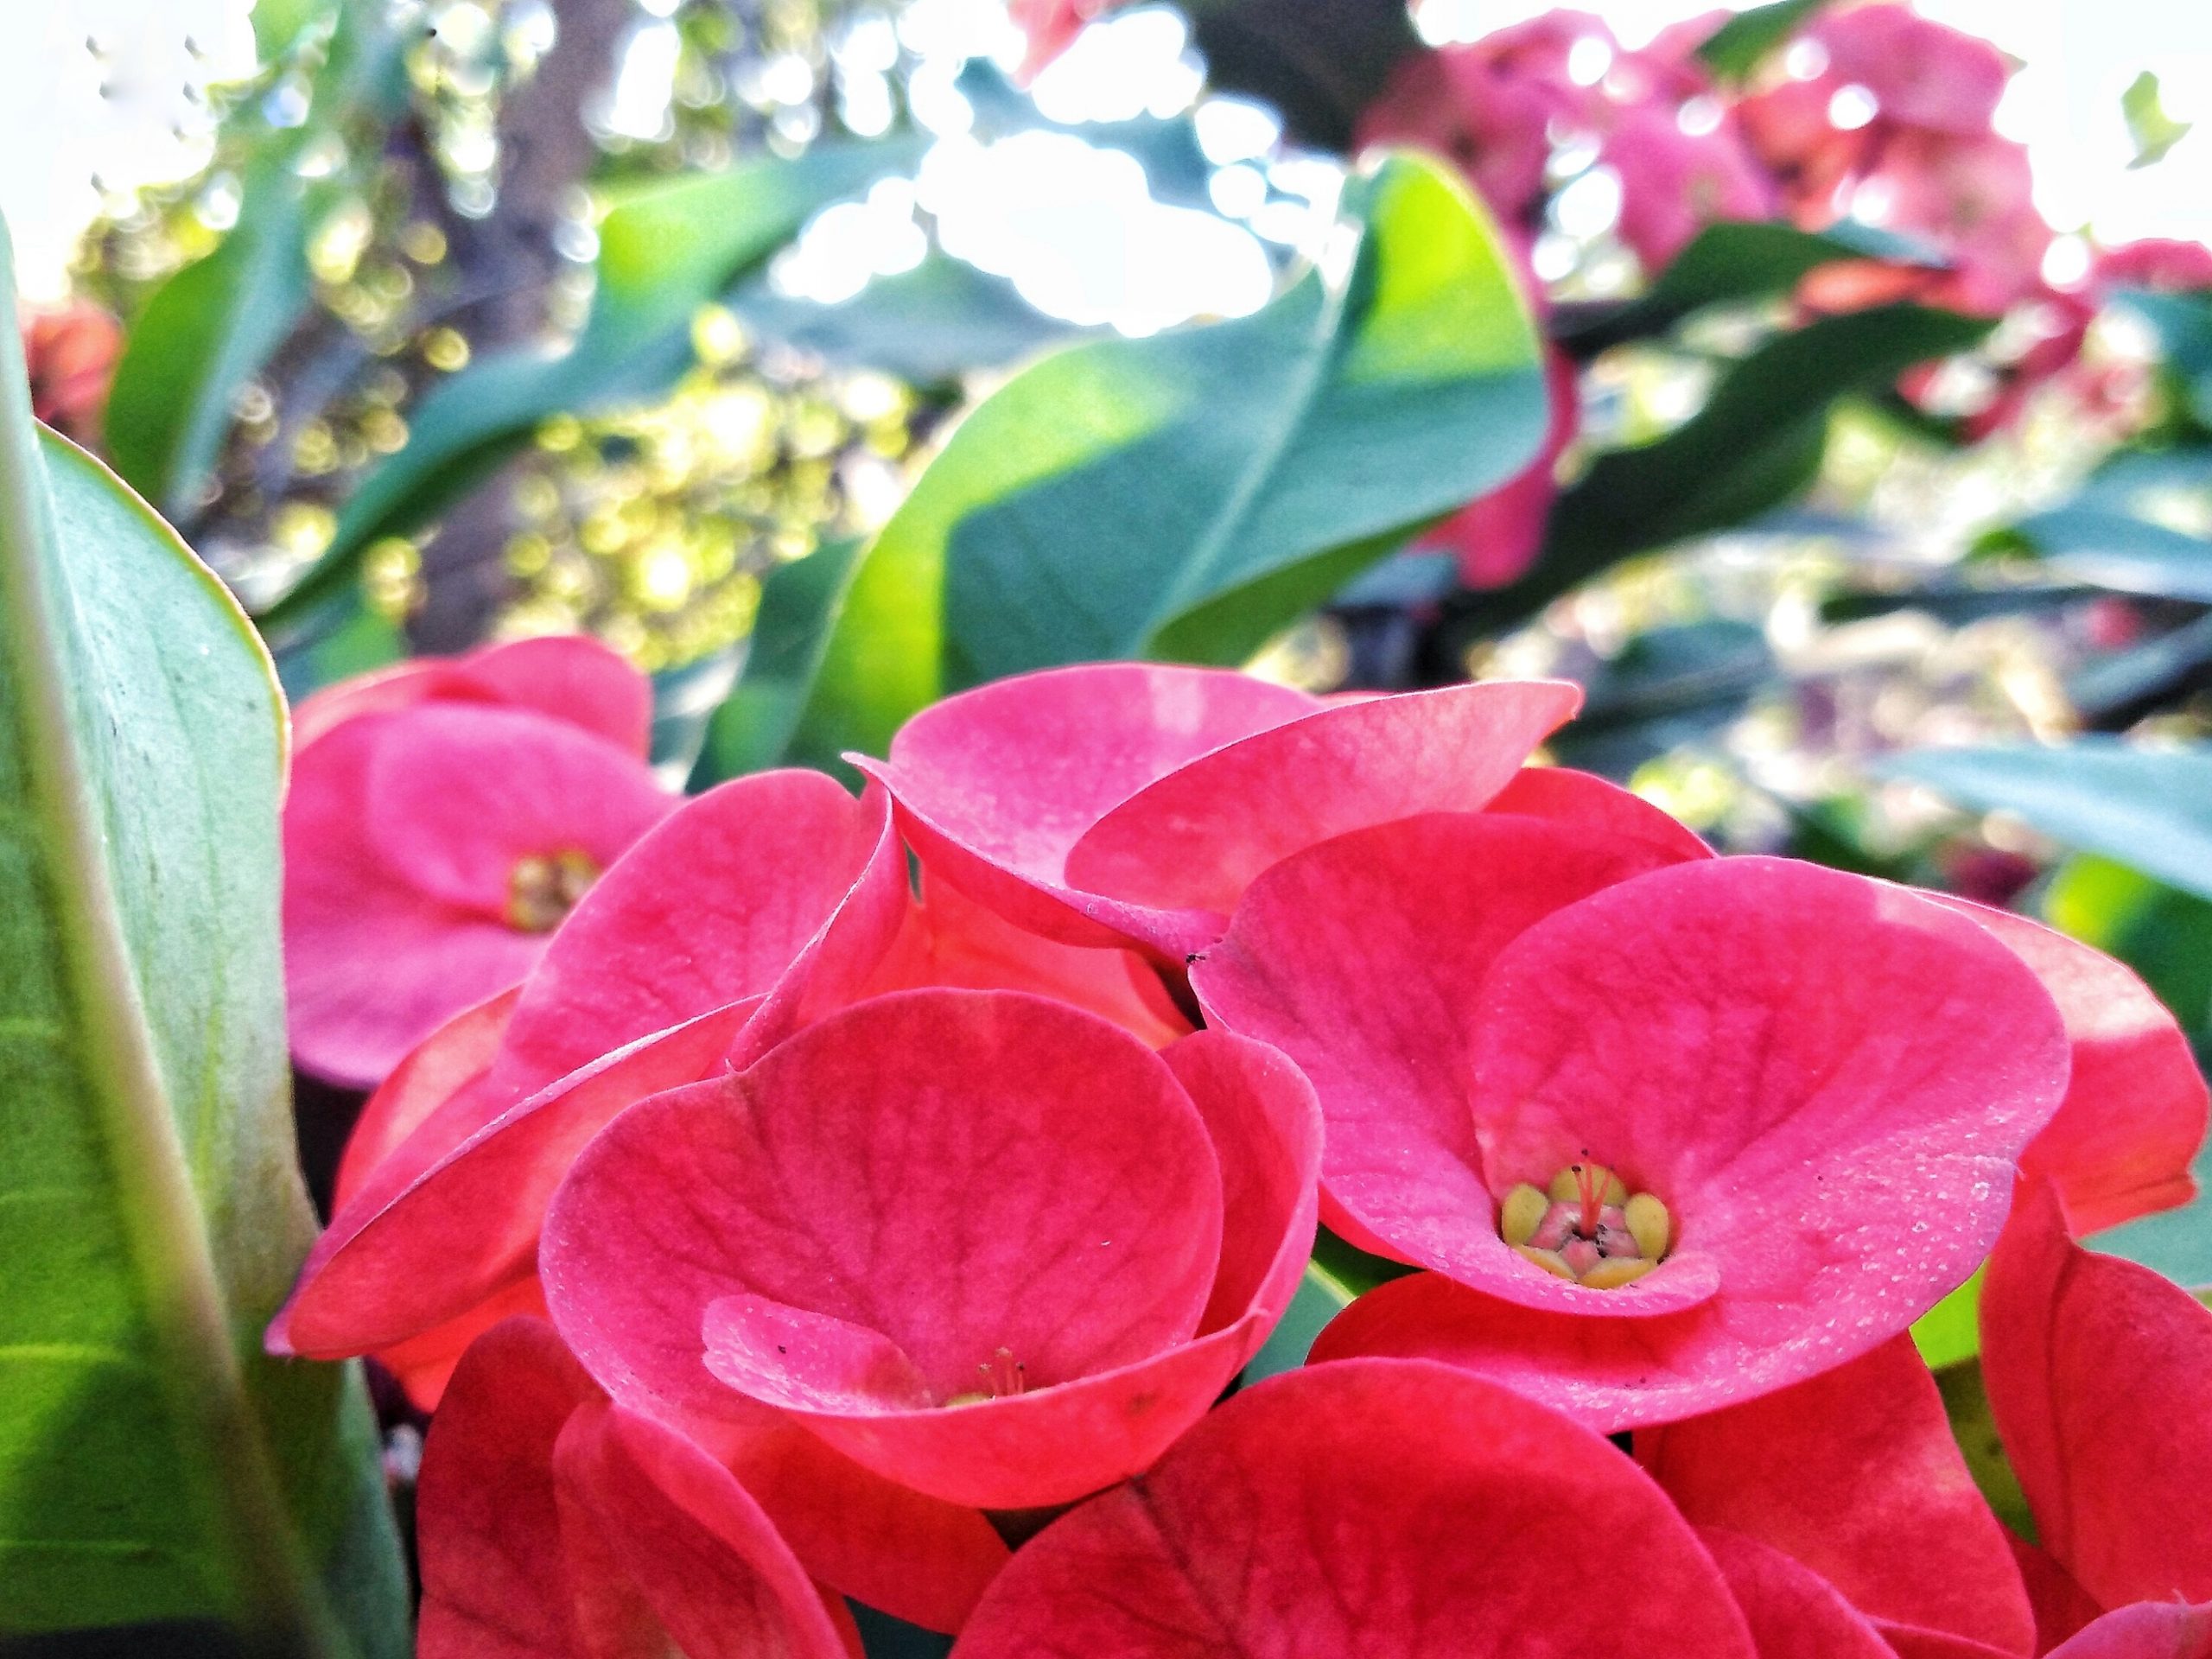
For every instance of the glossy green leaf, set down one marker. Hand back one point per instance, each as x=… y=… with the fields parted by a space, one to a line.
x=1188 y=495
x=213 y=326
x=664 y=250
x=928 y=325
x=1741 y=44
x=1966 y=1402
x=1319 y=63
x=799 y=605
x=1756 y=443
x=153 y=1463
x=2148 y=809
x=1730 y=262
x=1666 y=688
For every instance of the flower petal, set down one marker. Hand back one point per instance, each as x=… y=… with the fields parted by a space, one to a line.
x=1855 y=1473
x=1362 y=959
x=648 y=1516
x=2099 y=1376
x=2135 y=1110
x=995 y=786
x=453 y=1056
x=1193 y=839
x=1365 y=1508
x=493 y=1585
x=968 y=1174
x=780 y=884
x=1793 y=1611
x=455 y=797
x=2155 y=1630
x=1825 y=1078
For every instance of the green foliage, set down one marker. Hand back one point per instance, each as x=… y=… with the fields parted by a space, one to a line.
x=1666 y=687
x=213 y=326
x=1757 y=444
x=2148 y=809
x=1186 y=496
x=1730 y=262
x=153 y=1463
x=1338 y=1275
x=1741 y=44
x=665 y=249
x=799 y=605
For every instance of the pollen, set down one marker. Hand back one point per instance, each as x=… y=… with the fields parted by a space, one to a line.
x=1002 y=1377
x=1586 y=1227
x=543 y=888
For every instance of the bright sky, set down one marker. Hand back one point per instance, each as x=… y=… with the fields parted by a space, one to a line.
x=62 y=139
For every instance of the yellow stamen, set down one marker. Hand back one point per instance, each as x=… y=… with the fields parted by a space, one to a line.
x=1648 y=1224
x=1616 y=1271
x=1549 y=1260
x=1518 y=1215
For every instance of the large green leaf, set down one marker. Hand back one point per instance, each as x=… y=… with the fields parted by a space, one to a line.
x=2112 y=548
x=1188 y=495
x=1730 y=262
x=2148 y=809
x=208 y=329
x=799 y=605
x=1757 y=443
x=1319 y=63
x=664 y=250
x=154 y=1465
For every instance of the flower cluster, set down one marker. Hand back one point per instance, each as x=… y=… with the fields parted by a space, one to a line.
x=784 y=1234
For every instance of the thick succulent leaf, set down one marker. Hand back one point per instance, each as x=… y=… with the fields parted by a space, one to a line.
x=664 y=250
x=2099 y=544
x=1188 y=495
x=152 y=1464
x=2148 y=809
x=930 y=326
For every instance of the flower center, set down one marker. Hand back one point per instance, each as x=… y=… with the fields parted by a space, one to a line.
x=543 y=888
x=1002 y=1376
x=1587 y=1227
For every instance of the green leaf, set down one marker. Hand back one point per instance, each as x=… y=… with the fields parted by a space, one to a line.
x=2153 y=131
x=1190 y=494
x=211 y=327
x=1757 y=443
x=2113 y=548
x=928 y=325
x=1951 y=1330
x=1966 y=1402
x=1337 y=1275
x=154 y=1465
x=799 y=605
x=1730 y=262
x=664 y=250
x=1666 y=688
x=1741 y=44
x=2148 y=809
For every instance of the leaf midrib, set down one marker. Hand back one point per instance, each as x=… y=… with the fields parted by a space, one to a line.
x=203 y=1382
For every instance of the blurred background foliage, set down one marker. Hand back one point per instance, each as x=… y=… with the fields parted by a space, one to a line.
x=485 y=317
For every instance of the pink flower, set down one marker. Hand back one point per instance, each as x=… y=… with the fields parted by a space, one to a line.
x=554 y=1526
x=1130 y=804
x=2170 y=267
x=1383 y=1507
x=443 y=820
x=1674 y=182
x=1668 y=1134
x=988 y=1247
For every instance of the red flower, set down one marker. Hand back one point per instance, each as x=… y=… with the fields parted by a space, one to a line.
x=1851 y=1482
x=2167 y=266
x=1373 y=1507
x=1674 y=181
x=554 y=1526
x=1120 y=804
x=442 y=819
x=1703 y=1132
x=2099 y=1376
x=70 y=351
x=745 y=913
x=1050 y=27
x=989 y=1246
